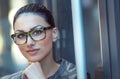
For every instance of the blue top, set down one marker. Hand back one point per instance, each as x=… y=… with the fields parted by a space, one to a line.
x=66 y=71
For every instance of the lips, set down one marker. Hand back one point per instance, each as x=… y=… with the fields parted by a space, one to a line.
x=33 y=51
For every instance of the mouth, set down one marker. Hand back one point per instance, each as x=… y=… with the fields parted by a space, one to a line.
x=33 y=51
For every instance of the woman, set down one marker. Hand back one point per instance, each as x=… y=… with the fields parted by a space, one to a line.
x=34 y=33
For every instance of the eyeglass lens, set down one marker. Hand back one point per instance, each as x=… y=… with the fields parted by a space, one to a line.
x=37 y=33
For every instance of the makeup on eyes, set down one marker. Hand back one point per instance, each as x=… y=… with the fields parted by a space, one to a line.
x=19 y=31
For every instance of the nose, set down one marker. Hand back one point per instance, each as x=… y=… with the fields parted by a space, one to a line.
x=30 y=42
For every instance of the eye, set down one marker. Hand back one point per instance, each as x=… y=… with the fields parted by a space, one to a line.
x=21 y=36
x=37 y=32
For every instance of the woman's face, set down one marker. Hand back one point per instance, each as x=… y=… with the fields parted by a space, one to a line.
x=34 y=50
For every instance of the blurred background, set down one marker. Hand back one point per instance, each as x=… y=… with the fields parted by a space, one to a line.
x=11 y=59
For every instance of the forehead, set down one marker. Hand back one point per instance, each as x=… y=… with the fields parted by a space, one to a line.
x=26 y=21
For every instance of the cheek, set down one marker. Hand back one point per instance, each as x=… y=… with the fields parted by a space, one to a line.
x=47 y=42
x=21 y=48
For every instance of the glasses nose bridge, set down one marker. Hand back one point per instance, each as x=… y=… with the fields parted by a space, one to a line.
x=29 y=38
x=28 y=34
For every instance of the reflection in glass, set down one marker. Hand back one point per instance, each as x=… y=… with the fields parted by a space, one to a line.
x=1 y=43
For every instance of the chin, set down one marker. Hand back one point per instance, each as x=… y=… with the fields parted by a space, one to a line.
x=35 y=60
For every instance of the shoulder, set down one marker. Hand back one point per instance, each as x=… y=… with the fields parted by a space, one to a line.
x=68 y=70
x=17 y=75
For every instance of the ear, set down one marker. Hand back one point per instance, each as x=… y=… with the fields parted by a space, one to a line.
x=55 y=34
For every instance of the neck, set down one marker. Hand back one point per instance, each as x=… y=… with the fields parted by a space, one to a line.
x=49 y=66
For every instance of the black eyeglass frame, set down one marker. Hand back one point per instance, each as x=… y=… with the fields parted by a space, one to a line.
x=29 y=34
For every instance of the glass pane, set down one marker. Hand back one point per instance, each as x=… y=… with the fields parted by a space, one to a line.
x=92 y=39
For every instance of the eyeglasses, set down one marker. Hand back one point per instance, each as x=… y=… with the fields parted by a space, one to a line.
x=36 y=34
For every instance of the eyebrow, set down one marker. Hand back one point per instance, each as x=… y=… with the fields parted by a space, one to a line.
x=19 y=31
x=29 y=30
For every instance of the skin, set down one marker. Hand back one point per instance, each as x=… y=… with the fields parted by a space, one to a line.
x=42 y=53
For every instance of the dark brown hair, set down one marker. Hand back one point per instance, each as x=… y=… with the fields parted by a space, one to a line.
x=38 y=9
